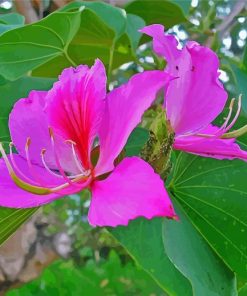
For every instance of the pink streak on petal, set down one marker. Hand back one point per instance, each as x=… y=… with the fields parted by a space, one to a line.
x=210 y=147
x=28 y=119
x=197 y=97
x=13 y=197
x=125 y=106
x=132 y=190
x=76 y=105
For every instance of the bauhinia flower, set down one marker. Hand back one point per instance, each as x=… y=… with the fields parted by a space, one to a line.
x=69 y=139
x=196 y=98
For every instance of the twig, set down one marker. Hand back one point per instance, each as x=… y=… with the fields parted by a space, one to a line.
x=26 y=9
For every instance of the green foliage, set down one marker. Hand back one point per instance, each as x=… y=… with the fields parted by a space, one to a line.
x=213 y=194
x=11 y=220
x=159 y=11
x=195 y=259
x=10 y=21
x=28 y=47
x=107 y=277
x=87 y=33
x=143 y=240
x=136 y=141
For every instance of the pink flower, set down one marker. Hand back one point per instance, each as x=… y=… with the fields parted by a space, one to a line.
x=60 y=134
x=195 y=98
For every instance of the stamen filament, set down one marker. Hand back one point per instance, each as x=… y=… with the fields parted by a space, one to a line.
x=236 y=116
x=43 y=151
x=19 y=182
x=15 y=166
x=229 y=115
x=61 y=171
x=30 y=165
x=77 y=162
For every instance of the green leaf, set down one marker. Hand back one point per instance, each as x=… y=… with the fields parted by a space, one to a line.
x=243 y=291
x=118 y=33
x=158 y=12
x=77 y=34
x=143 y=240
x=25 y=48
x=11 y=220
x=196 y=260
x=240 y=75
x=136 y=141
x=213 y=194
x=10 y=21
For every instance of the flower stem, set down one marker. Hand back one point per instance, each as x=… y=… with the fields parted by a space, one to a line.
x=110 y=63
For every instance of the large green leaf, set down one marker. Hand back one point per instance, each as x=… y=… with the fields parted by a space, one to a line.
x=11 y=220
x=214 y=195
x=79 y=33
x=26 y=48
x=143 y=240
x=158 y=11
x=116 y=40
x=190 y=253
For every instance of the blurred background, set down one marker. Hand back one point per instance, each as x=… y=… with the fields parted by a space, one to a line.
x=56 y=252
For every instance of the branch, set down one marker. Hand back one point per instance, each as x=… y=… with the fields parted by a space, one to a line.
x=223 y=27
x=26 y=9
x=227 y=23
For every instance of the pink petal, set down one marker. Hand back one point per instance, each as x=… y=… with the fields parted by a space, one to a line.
x=76 y=104
x=125 y=106
x=13 y=197
x=28 y=119
x=131 y=191
x=196 y=97
x=210 y=147
x=164 y=45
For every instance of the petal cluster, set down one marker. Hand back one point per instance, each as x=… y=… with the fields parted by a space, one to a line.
x=68 y=139
x=195 y=98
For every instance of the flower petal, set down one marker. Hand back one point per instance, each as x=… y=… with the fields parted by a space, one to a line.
x=75 y=106
x=125 y=106
x=210 y=147
x=13 y=197
x=196 y=97
x=164 y=45
x=131 y=191
x=28 y=120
